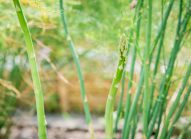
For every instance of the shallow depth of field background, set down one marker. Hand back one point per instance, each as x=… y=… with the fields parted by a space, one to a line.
x=95 y=27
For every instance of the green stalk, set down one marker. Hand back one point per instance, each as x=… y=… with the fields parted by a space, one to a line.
x=113 y=90
x=147 y=95
x=128 y=97
x=79 y=71
x=128 y=112
x=127 y=123
x=134 y=126
x=129 y=93
x=34 y=70
x=175 y=104
x=130 y=79
x=154 y=76
x=178 y=113
x=120 y=105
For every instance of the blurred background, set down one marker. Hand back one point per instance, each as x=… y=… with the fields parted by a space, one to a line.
x=95 y=27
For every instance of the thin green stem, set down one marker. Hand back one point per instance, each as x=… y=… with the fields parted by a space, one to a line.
x=128 y=97
x=134 y=126
x=129 y=92
x=120 y=105
x=34 y=69
x=79 y=71
x=129 y=112
x=127 y=122
x=147 y=95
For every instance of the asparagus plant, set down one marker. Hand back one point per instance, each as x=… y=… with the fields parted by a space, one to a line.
x=79 y=70
x=114 y=87
x=152 y=108
x=34 y=70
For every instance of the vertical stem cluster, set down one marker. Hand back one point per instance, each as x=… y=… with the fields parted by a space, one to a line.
x=152 y=114
x=79 y=71
x=114 y=87
x=165 y=84
x=161 y=43
x=159 y=38
x=34 y=69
